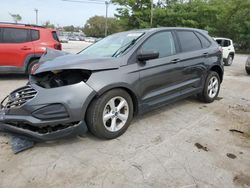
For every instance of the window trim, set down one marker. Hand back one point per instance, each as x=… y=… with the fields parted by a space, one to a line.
x=210 y=43
x=39 y=36
x=174 y=39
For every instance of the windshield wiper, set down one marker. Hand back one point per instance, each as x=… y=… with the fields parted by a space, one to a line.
x=126 y=46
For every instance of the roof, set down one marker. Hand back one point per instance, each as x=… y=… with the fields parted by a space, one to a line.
x=22 y=25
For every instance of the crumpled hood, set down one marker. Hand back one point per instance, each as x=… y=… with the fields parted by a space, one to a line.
x=59 y=60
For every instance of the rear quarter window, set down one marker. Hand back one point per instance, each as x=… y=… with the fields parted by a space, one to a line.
x=189 y=41
x=55 y=37
x=14 y=35
x=204 y=41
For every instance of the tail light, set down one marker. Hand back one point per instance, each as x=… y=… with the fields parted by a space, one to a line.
x=58 y=46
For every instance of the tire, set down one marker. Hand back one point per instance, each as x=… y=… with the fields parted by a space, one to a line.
x=31 y=64
x=106 y=105
x=248 y=71
x=229 y=60
x=207 y=95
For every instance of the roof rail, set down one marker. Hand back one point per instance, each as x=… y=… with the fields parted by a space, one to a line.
x=31 y=25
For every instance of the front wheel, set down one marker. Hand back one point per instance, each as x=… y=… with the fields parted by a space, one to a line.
x=211 y=87
x=109 y=115
x=32 y=64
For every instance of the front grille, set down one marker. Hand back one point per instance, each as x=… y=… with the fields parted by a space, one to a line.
x=19 y=97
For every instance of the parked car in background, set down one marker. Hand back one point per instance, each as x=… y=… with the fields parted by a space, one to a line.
x=248 y=65
x=63 y=39
x=228 y=50
x=22 y=45
x=106 y=84
x=90 y=39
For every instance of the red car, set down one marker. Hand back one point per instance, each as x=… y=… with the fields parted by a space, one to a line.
x=22 y=45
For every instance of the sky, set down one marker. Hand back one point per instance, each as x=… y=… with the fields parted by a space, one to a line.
x=58 y=12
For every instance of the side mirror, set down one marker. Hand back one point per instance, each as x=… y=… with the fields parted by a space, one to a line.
x=144 y=56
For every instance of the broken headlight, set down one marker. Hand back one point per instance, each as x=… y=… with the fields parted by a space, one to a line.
x=53 y=79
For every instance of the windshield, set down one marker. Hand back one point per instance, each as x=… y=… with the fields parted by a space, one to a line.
x=112 y=46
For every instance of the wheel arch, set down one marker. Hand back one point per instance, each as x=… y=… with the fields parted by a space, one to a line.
x=29 y=59
x=218 y=69
x=124 y=87
x=232 y=54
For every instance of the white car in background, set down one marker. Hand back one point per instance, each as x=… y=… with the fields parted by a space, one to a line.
x=228 y=50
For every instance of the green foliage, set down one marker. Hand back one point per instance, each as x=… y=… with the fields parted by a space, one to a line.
x=47 y=24
x=224 y=18
x=16 y=17
x=95 y=26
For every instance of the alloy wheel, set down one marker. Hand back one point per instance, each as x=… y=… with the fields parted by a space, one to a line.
x=213 y=87
x=115 y=114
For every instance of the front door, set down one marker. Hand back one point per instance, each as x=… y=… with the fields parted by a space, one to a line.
x=160 y=78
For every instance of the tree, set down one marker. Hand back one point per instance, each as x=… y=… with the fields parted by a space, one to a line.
x=47 y=24
x=95 y=26
x=133 y=13
x=16 y=17
x=222 y=18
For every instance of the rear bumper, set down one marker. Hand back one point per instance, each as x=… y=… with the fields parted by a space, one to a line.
x=51 y=114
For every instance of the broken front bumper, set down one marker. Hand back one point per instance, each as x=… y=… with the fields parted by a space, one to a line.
x=46 y=114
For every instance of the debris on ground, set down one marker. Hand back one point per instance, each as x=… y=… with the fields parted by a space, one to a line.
x=199 y=146
x=242 y=180
x=231 y=156
x=20 y=143
x=237 y=131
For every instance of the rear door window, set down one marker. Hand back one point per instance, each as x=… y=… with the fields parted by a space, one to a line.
x=162 y=42
x=14 y=35
x=204 y=41
x=189 y=41
x=220 y=42
x=35 y=35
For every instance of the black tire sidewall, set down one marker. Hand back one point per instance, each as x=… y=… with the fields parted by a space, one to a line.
x=205 y=95
x=227 y=61
x=95 y=114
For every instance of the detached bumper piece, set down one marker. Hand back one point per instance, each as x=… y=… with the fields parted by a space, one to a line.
x=46 y=133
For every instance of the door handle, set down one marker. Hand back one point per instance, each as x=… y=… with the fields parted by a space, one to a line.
x=25 y=48
x=175 y=61
x=205 y=54
x=229 y=49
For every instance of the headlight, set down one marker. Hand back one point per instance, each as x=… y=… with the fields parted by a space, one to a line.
x=52 y=79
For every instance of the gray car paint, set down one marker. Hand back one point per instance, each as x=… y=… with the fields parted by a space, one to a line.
x=151 y=84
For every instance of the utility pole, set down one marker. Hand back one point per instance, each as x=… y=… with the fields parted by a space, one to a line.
x=36 y=10
x=106 y=18
x=151 y=13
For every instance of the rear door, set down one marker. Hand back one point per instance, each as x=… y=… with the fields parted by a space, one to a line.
x=15 y=46
x=193 y=59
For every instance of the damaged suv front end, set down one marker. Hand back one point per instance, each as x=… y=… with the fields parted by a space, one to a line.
x=52 y=105
x=45 y=111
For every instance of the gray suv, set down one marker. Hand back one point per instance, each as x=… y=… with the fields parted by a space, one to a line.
x=102 y=87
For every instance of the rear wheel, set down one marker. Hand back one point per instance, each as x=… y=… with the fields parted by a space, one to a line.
x=211 y=88
x=109 y=115
x=31 y=65
x=229 y=60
